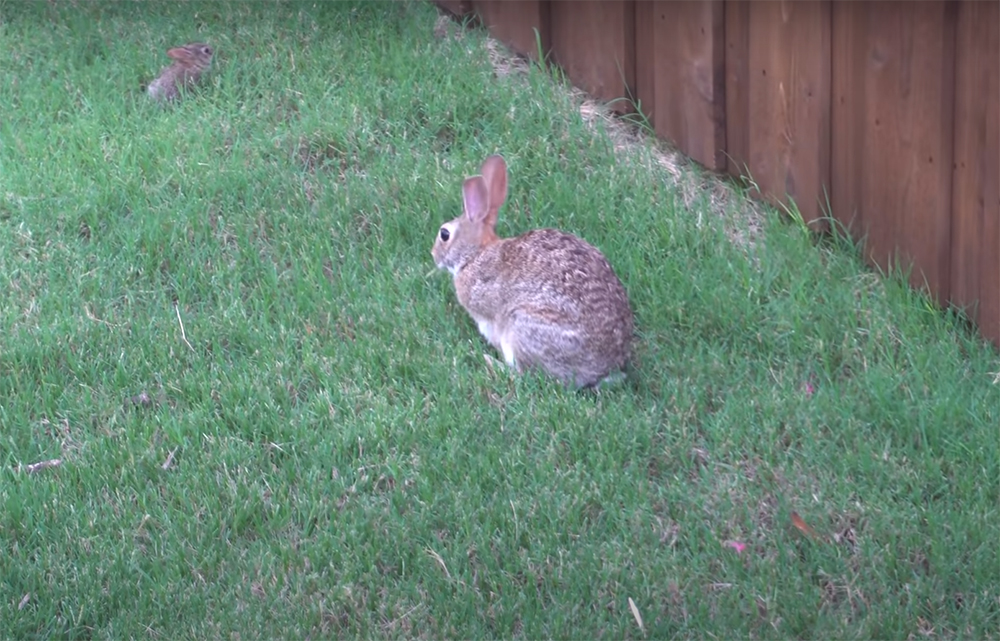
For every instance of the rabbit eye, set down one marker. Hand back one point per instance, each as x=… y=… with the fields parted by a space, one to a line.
x=445 y=234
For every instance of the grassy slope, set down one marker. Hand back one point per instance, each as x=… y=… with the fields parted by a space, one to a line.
x=344 y=461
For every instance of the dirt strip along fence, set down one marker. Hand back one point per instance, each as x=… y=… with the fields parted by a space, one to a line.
x=884 y=116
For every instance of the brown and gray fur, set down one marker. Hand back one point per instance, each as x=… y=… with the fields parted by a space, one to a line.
x=546 y=299
x=190 y=62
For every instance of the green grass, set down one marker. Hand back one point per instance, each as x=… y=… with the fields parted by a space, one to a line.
x=255 y=261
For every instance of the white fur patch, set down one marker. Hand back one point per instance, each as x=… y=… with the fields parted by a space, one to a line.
x=508 y=351
x=489 y=332
x=612 y=379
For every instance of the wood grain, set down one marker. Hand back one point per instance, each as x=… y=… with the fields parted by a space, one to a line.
x=680 y=71
x=594 y=43
x=789 y=102
x=847 y=114
x=645 y=70
x=514 y=23
x=975 y=230
x=910 y=101
x=737 y=65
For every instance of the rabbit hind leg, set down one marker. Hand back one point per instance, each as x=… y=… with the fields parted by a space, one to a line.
x=532 y=341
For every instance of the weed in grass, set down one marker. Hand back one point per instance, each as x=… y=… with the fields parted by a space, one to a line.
x=273 y=424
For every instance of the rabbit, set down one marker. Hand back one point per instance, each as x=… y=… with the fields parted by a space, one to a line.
x=190 y=61
x=545 y=299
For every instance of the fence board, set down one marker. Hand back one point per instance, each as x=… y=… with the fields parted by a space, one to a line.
x=789 y=102
x=594 y=43
x=975 y=242
x=737 y=24
x=645 y=78
x=989 y=303
x=899 y=92
x=847 y=114
x=680 y=75
x=514 y=23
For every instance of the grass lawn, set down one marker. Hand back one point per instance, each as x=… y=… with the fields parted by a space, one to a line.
x=274 y=422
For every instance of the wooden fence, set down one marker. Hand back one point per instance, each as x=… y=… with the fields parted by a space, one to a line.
x=884 y=115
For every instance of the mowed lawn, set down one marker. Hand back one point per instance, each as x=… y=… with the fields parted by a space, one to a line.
x=274 y=421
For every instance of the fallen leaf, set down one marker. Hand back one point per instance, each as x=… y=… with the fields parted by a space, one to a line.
x=801 y=526
x=42 y=465
x=636 y=615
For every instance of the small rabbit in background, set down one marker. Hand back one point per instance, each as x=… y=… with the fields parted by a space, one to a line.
x=190 y=62
x=546 y=299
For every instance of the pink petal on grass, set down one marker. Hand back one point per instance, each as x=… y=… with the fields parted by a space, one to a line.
x=808 y=387
x=736 y=545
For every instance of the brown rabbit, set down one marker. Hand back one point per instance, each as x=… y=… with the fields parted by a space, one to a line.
x=545 y=299
x=190 y=61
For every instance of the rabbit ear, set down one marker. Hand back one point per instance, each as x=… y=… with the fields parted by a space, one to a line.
x=179 y=53
x=494 y=172
x=475 y=198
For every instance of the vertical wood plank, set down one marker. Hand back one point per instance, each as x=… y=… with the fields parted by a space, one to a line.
x=789 y=102
x=737 y=27
x=514 y=23
x=681 y=75
x=893 y=146
x=847 y=115
x=975 y=240
x=644 y=56
x=989 y=302
x=594 y=43
x=908 y=103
